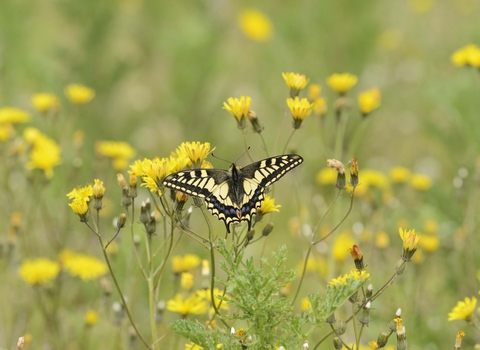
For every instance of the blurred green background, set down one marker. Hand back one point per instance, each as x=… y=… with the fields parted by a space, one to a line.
x=162 y=70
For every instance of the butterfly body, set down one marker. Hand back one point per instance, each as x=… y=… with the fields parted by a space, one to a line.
x=233 y=195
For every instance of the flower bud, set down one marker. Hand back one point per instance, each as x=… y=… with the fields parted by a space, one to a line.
x=121 y=181
x=357 y=256
x=337 y=343
x=267 y=229
x=160 y=309
x=252 y=116
x=365 y=316
x=340 y=327
x=145 y=212
x=382 y=340
x=126 y=199
x=133 y=186
x=354 y=172
x=151 y=225
x=338 y=166
x=331 y=319
x=122 y=219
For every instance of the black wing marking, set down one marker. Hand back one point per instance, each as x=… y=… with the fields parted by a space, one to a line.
x=270 y=170
x=220 y=189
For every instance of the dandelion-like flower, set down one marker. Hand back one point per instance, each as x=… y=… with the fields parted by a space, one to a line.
x=314 y=92
x=268 y=206
x=341 y=83
x=410 y=243
x=186 y=306
x=239 y=108
x=79 y=94
x=84 y=266
x=119 y=152
x=369 y=100
x=185 y=263
x=463 y=310
x=196 y=152
x=192 y=346
x=6 y=132
x=13 y=115
x=400 y=175
x=205 y=295
x=300 y=109
x=44 y=102
x=421 y=182
x=45 y=153
x=306 y=305
x=296 y=82
x=467 y=56
x=320 y=106
x=353 y=275
x=255 y=25
x=91 y=318
x=39 y=271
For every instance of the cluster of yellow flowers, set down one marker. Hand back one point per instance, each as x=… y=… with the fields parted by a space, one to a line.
x=40 y=271
x=467 y=56
x=187 y=155
x=44 y=152
x=376 y=179
x=119 y=152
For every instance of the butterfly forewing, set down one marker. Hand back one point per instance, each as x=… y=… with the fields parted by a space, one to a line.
x=233 y=198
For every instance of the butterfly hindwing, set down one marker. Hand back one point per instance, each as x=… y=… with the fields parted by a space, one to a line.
x=233 y=195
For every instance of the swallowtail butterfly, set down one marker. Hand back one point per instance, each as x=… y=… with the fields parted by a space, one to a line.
x=233 y=195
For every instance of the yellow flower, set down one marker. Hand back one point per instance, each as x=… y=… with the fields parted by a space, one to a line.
x=410 y=243
x=369 y=100
x=186 y=281
x=45 y=153
x=300 y=109
x=430 y=226
x=185 y=263
x=38 y=271
x=430 y=243
x=354 y=274
x=382 y=240
x=296 y=82
x=467 y=56
x=255 y=25
x=239 y=108
x=341 y=83
x=86 y=267
x=374 y=178
x=320 y=106
x=342 y=242
x=83 y=193
x=196 y=152
x=6 y=132
x=268 y=206
x=192 y=346
x=421 y=182
x=79 y=207
x=306 y=305
x=314 y=92
x=79 y=94
x=326 y=176
x=119 y=152
x=13 y=115
x=152 y=172
x=91 y=317
x=191 y=305
x=400 y=175
x=98 y=190
x=463 y=310
x=205 y=295
x=44 y=102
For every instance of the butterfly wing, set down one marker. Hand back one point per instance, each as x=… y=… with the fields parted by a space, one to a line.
x=236 y=194
x=270 y=170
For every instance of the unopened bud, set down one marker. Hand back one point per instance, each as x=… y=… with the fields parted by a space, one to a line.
x=340 y=327
x=357 y=257
x=267 y=229
x=331 y=319
x=340 y=168
x=180 y=199
x=160 y=309
x=250 y=235
x=337 y=343
x=126 y=199
x=151 y=225
x=145 y=212
x=133 y=186
x=354 y=172
x=257 y=127
x=121 y=181
x=382 y=339
x=369 y=291
x=365 y=316
x=122 y=219
x=305 y=345
x=458 y=340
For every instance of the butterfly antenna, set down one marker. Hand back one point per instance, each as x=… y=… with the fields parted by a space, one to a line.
x=214 y=156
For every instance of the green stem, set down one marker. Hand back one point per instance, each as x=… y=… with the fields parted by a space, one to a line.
x=288 y=141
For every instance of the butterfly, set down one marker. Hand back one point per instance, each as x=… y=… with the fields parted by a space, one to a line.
x=233 y=195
